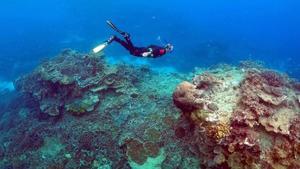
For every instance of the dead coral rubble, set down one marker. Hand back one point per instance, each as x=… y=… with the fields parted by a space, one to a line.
x=244 y=118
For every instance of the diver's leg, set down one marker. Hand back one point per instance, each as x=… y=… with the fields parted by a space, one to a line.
x=121 y=42
x=128 y=40
x=113 y=26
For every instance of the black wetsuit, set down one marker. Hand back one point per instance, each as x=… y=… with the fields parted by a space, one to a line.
x=157 y=51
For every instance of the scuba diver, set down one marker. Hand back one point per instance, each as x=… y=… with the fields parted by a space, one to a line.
x=151 y=51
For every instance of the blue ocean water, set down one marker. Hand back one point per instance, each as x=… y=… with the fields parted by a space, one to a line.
x=204 y=32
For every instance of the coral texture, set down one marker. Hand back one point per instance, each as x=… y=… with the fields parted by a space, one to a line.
x=77 y=111
x=243 y=118
x=72 y=83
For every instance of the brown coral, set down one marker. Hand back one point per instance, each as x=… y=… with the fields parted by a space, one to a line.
x=139 y=152
x=136 y=151
x=152 y=149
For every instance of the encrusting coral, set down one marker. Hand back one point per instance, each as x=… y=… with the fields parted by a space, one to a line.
x=249 y=114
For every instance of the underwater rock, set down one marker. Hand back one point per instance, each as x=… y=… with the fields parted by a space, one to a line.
x=243 y=118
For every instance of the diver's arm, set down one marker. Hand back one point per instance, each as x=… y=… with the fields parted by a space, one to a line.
x=149 y=53
x=146 y=54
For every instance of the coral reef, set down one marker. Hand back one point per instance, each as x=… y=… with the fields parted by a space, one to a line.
x=82 y=105
x=57 y=84
x=77 y=111
x=244 y=118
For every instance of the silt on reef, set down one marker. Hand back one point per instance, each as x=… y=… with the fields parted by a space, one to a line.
x=244 y=117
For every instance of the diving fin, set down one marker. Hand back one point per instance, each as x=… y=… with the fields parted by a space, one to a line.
x=100 y=47
x=114 y=27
